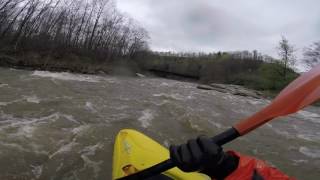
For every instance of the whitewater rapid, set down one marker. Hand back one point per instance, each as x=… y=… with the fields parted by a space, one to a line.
x=62 y=125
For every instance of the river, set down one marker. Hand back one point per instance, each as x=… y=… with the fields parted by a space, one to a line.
x=61 y=126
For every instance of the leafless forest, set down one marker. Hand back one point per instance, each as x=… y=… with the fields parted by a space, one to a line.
x=91 y=36
x=92 y=28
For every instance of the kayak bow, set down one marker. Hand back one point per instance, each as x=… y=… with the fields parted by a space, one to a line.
x=133 y=151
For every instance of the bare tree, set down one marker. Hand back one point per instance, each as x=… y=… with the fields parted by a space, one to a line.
x=101 y=4
x=312 y=55
x=30 y=12
x=94 y=27
x=6 y=22
x=286 y=53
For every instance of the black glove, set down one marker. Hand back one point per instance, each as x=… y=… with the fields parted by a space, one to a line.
x=203 y=155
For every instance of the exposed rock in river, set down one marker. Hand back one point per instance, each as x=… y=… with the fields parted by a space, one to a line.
x=140 y=75
x=232 y=89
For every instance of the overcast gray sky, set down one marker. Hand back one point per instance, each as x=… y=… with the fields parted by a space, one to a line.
x=225 y=25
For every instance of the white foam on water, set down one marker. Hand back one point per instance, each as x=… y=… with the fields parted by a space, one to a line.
x=3 y=103
x=314 y=117
x=231 y=97
x=256 y=101
x=121 y=107
x=59 y=167
x=63 y=149
x=32 y=99
x=146 y=118
x=67 y=76
x=216 y=124
x=91 y=150
x=309 y=137
x=92 y=164
x=111 y=80
x=190 y=97
x=13 y=69
x=12 y=121
x=69 y=117
x=193 y=125
x=161 y=103
x=117 y=117
x=164 y=84
x=11 y=102
x=38 y=149
x=89 y=106
x=3 y=85
x=5 y=119
x=26 y=131
x=242 y=111
x=299 y=161
x=215 y=114
x=172 y=96
x=283 y=133
x=313 y=153
x=14 y=146
x=166 y=143
x=295 y=127
x=37 y=171
x=269 y=125
x=80 y=129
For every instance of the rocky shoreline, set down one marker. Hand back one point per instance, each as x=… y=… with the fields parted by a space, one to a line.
x=232 y=89
x=19 y=63
x=72 y=65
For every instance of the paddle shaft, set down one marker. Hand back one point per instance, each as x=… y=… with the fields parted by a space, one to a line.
x=219 y=139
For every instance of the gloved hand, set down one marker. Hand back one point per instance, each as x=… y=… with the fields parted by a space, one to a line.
x=203 y=155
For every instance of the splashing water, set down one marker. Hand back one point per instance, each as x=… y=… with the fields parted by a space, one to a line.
x=62 y=125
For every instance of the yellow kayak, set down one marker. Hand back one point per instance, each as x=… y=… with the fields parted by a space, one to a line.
x=134 y=151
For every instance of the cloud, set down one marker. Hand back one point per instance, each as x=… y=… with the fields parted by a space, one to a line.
x=213 y=25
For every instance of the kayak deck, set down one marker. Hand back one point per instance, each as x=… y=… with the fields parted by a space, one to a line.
x=134 y=151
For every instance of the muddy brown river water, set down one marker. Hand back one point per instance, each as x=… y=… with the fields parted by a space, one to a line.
x=61 y=126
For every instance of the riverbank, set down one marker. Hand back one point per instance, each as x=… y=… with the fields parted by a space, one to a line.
x=73 y=63
x=68 y=63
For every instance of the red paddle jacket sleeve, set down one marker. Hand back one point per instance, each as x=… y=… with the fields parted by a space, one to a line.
x=250 y=168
